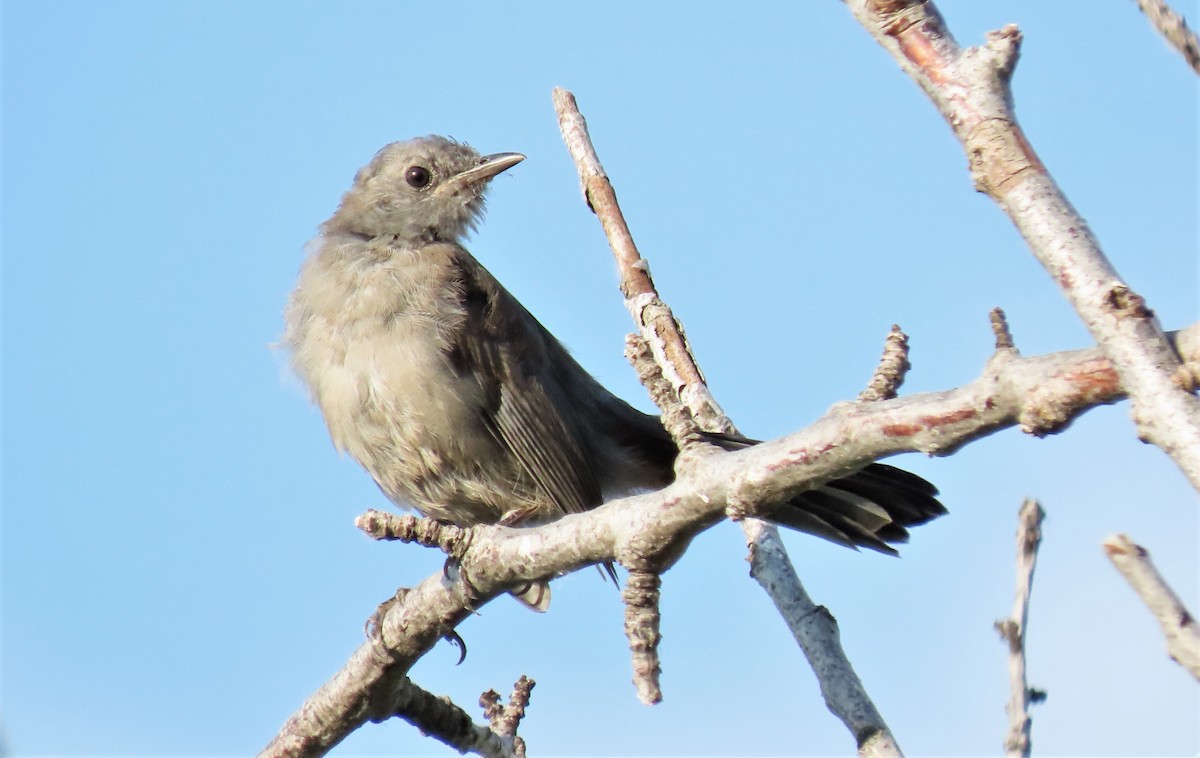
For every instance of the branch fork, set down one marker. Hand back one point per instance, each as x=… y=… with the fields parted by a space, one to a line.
x=971 y=89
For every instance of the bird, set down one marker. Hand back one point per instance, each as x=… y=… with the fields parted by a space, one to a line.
x=459 y=403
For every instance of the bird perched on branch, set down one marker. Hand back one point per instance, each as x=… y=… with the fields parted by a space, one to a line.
x=458 y=402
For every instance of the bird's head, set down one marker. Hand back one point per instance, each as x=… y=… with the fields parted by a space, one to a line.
x=423 y=190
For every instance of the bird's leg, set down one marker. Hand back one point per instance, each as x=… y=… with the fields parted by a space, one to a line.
x=373 y=628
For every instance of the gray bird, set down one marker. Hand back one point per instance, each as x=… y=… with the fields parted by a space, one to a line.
x=457 y=401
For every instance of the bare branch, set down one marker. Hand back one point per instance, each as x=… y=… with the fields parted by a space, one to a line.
x=1012 y=630
x=892 y=368
x=662 y=334
x=642 y=620
x=659 y=525
x=375 y=671
x=675 y=416
x=506 y=719
x=1004 y=338
x=1173 y=27
x=450 y=539
x=1041 y=393
x=1042 y=414
x=441 y=719
x=971 y=89
x=1178 y=625
x=816 y=632
x=657 y=324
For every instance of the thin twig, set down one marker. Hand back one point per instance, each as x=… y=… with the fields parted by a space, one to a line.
x=381 y=525
x=657 y=324
x=441 y=719
x=893 y=366
x=1012 y=630
x=1178 y=624
x=505 y=719
x=1004 y=338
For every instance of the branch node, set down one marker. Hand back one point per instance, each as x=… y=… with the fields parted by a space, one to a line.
x=1186 y=377
x=736 y=510
x=1009 y=632
x=1005 y=46
x=1123 y=302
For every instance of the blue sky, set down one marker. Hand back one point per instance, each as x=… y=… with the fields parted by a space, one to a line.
x=180 y=566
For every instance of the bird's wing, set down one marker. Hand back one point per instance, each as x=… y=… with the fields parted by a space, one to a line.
x=514 y=358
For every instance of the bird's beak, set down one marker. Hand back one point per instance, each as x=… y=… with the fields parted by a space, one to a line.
x=488 y=166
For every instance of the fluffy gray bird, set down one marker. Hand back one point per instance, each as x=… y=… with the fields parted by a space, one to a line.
x=457 y=401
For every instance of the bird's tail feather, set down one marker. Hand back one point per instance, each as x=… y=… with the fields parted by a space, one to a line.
x=870 y=508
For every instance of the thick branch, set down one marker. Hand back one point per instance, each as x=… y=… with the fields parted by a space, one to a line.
x=971 y=89
x=1178 y=625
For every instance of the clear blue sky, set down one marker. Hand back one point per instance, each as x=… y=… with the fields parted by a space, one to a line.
x=180 y=566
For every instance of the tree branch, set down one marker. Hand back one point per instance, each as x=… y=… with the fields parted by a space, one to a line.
x=1012 y=631
x=1004 y=338
x=890 y=373
x=441 y=719
x=642 y=622
x=658 y=326
x=1178 y=625
x=1174 y=30
x=816 y=632
x=661 y=524
x=971 y=89
x=662 y=336
x=506 y=718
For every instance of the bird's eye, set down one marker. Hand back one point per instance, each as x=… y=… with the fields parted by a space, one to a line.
x=418 y=177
